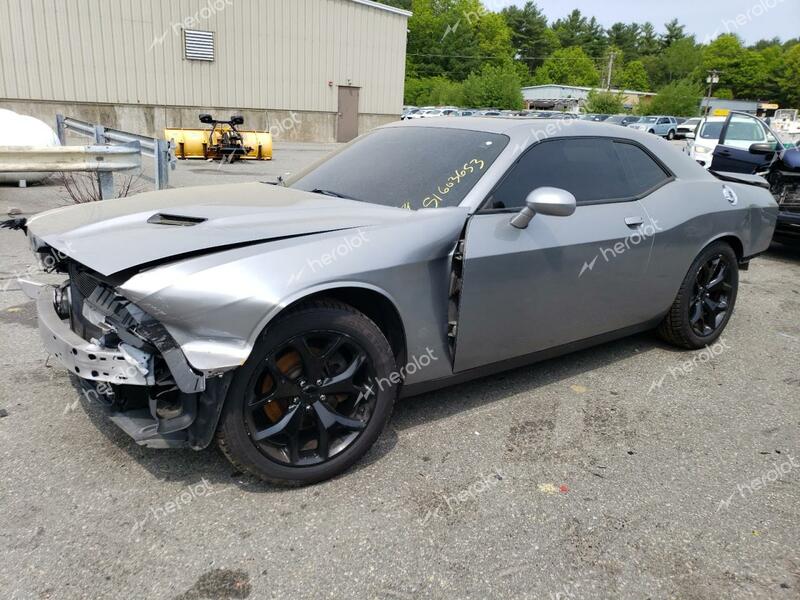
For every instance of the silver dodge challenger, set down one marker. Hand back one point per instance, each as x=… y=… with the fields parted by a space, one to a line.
x=284 y=319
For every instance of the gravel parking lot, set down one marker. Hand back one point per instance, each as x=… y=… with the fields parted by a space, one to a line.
x=630 y=470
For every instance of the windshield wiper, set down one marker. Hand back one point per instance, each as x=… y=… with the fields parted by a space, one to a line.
x=331 y=193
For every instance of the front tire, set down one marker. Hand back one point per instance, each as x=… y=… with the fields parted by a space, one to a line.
x=705 y=300
x=309 y=401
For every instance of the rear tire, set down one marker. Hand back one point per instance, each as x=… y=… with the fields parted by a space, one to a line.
x=305 y=405
x=671 y=135
x=705 y=300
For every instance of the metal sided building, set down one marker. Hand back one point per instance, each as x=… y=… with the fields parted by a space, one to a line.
x=309 y=70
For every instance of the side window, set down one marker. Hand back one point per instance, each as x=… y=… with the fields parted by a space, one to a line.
x=743 y=130
x=663 y=121
x=643 y=172
x=589 y=168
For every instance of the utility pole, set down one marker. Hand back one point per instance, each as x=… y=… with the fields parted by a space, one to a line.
x=610 y=68
x=713 y=77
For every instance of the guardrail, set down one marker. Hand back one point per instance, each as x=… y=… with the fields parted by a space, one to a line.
x=161 y=151
x=103 y=160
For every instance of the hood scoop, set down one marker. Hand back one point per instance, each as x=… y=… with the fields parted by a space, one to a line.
x=175 y=220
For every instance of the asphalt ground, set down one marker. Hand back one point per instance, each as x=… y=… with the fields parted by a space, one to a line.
x=629 y=470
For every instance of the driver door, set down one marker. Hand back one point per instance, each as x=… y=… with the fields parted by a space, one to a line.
x=746 y=145
x=560 y=279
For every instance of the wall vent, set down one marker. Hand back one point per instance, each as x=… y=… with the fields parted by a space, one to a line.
x=198 y=45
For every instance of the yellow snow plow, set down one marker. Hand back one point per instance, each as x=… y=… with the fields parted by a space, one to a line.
x=223 y=141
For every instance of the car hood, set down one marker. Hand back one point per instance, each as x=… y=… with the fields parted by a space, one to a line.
x=115 y=235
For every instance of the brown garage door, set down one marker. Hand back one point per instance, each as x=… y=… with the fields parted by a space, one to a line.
x=347 y=122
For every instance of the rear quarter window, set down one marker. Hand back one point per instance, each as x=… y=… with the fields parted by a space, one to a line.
x=644 y=174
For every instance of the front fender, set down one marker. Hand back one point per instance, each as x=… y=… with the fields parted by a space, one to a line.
x=216 y=305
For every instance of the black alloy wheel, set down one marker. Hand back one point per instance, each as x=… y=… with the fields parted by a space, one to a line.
x=311 y=399
x=708 y=307
x=705 y=300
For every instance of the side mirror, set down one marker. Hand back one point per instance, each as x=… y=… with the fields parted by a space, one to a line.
x=762 y=148
x=546 y=201
x=690 y=135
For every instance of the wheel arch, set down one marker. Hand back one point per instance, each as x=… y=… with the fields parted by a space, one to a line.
x=372 y=301
x=732 y=240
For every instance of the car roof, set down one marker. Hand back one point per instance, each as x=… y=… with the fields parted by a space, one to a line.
x=517 y=125
x=524 y=132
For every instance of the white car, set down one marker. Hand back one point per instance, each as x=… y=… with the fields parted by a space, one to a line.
x=742 y=133
x=419 y=112
x=688 y=126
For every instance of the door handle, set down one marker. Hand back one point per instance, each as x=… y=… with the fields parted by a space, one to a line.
x=724 y=153
x=633 y=221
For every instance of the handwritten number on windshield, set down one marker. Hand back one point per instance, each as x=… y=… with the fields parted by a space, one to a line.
x=434 y=200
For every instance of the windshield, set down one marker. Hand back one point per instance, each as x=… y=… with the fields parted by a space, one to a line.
x=711 y=131
x=615 y=119
x=648 y=119
x=690 y=123
x=408 y=167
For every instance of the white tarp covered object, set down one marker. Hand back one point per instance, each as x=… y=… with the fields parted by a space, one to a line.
x=22 y=130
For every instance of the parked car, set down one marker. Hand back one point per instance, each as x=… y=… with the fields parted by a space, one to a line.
x=687 y=126
x=418 y=112
x=742 y=134
x=659 y=125
x=748 y=145
x=594 y=117
x=623 y=120
x=703 y=141
x=284 y=320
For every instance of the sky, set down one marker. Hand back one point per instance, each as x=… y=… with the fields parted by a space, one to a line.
x=752 y=20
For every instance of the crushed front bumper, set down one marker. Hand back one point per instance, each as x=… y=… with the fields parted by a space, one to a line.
x=191 y=417
x=85 y=359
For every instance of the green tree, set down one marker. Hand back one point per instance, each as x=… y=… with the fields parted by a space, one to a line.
x=568 y=66
x=682 y=59
x=743 y=71
x=530 y=35
x=626 y=38
x=789 y=77
x=494 y=86
x=577 y=30
x=679 y=98
x=634 y=77
x=433 y=91
x=648 y=43
x=494 y=37
x=607 y=103
x=674 y=32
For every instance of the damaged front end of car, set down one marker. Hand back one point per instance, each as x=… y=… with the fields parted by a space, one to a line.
x=124 y=358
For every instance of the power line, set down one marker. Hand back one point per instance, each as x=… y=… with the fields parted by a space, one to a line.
x=551 y=57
